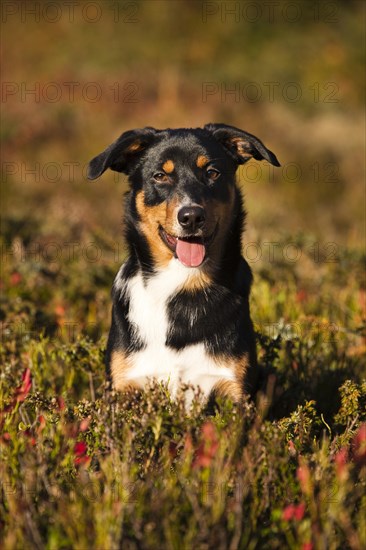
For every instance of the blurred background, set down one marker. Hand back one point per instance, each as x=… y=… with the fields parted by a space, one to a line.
x=76 y=75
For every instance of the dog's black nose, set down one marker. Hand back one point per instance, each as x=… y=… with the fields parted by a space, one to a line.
x=191 y=218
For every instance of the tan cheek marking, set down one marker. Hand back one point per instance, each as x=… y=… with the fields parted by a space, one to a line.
x=202 y=161
x=151 y=218
x=233 y=389
x=120 y=365
x=171 y=216
x=140 y=204
x=168 y=166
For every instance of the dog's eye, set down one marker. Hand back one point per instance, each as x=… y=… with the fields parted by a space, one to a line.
x=160 y=177
x=212 y=173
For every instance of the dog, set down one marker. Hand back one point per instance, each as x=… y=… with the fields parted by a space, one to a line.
x=181 y=300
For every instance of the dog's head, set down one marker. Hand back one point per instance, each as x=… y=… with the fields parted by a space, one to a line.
x=183 y=185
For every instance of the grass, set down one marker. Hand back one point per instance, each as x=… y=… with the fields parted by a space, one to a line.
x=83 y=470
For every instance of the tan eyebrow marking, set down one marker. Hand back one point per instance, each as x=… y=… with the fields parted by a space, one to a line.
x=168 y=166
x=137 y=146
x=201 y=161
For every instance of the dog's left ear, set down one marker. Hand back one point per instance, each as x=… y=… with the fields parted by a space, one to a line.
x=241 y=145
x=122 y=153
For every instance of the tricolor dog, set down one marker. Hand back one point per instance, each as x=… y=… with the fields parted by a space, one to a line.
x=181 y=300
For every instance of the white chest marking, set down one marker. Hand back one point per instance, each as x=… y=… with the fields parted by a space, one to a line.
x=148 y=314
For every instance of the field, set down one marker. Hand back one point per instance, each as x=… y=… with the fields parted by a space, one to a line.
x=80 y=469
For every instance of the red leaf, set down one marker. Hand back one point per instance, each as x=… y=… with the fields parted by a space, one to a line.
x=301 y=295
x=15 y=278
x=294 y=511
x=6 y=437
x=84 y=424
x=60 y=310
x=208 y=446
x=61 y=403
x=42 y=423
x=340 y=460
x=80 y=448
x=299 y=511
x=303 y=475
x=288 y=512
x=22 y=391
x=359 y=446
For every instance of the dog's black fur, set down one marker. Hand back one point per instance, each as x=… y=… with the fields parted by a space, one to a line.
x=184 y=204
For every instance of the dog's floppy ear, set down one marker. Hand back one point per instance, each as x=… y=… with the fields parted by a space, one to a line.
x=241 y=145
x=122 y=152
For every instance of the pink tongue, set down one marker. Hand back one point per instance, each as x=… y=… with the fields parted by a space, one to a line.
x=190 y=254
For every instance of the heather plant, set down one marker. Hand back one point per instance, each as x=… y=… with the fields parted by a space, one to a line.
x=83 y=466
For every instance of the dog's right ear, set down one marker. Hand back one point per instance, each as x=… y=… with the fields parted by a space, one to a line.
x=122 y=153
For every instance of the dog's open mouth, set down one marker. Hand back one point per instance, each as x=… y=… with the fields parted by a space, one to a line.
x=190 y=251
